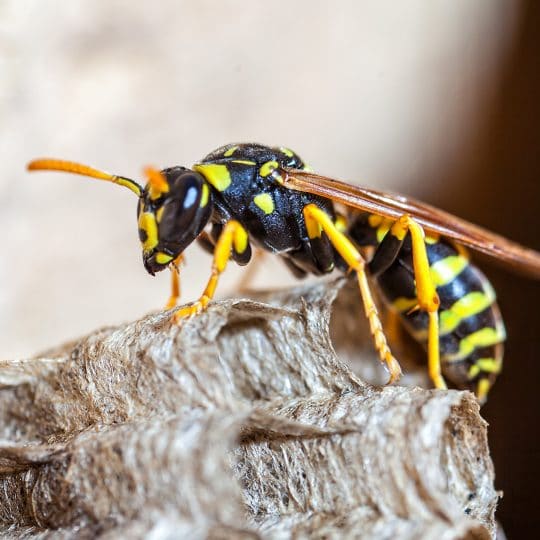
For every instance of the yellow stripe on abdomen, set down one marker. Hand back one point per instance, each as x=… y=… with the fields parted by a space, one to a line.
x=481 y=338
x=486 y=365
x=446 y=270
x=471 y=304
x=443 y=272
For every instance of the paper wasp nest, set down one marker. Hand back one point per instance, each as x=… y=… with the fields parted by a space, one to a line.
x=244 y=423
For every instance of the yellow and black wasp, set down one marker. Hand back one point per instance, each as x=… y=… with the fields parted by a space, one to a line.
x=249 y=194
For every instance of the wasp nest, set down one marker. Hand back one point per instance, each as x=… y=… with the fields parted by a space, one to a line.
x=242 y=423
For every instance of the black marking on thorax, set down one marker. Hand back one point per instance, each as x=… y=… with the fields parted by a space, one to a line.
x=271 y=213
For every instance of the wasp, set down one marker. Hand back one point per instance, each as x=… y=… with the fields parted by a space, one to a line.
x=244 y=195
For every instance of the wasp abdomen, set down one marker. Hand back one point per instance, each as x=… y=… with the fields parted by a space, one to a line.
x=471 y=329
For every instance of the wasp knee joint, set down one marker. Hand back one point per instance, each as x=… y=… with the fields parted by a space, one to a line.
x=430 y=305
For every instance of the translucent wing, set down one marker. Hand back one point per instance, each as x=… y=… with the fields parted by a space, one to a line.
x=520 y=258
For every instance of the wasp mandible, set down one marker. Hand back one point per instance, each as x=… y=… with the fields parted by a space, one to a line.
x=250 y=194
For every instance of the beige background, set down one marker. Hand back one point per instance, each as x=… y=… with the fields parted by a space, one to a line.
x=385 y=93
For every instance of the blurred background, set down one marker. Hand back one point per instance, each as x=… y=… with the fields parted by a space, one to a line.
x=438 y=100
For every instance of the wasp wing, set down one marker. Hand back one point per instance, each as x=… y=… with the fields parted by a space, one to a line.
x=389 y=205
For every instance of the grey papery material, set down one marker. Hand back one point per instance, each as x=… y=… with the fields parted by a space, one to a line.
x=243 y=423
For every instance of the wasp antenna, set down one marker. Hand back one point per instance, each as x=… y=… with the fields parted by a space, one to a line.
x=157 y=182
x=48 y=164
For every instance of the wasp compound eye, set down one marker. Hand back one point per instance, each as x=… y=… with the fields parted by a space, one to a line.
x=172 y=213
x=184 y=209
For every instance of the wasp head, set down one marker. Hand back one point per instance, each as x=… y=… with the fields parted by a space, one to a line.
x=173 y=209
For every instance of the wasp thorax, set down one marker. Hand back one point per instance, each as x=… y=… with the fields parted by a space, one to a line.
x=173 y=210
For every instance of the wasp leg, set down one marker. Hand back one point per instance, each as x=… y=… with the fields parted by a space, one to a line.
x=206 y=242
x=317 y=221
x=296 y=271
x=233 y=237
x=428 y=300
x=241 y=258
x=175 y=283
x=251 y=271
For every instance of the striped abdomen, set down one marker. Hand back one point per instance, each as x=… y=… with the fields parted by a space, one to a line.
x=470 y=325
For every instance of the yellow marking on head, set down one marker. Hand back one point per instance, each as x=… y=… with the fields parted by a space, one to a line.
x=230 y=151
x=447 y=269
x=163 y=258
x=471 y=304
x=383 y=229
x=403 y=304
x=287 y=151
x=204 y=196
x=147 y=223
x=244 y=162
x=268 y=168
x=374 y=220
x=479 y=339
x=265 y=202
x=217 y=175
x=159 y=214
x=341 y=223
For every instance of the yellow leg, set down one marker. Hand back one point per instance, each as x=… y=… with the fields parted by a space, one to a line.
x=428 y=300
x=175 y=283
x=233 y=235
x=316 y=221
x=434 y=358
x=482 y=390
